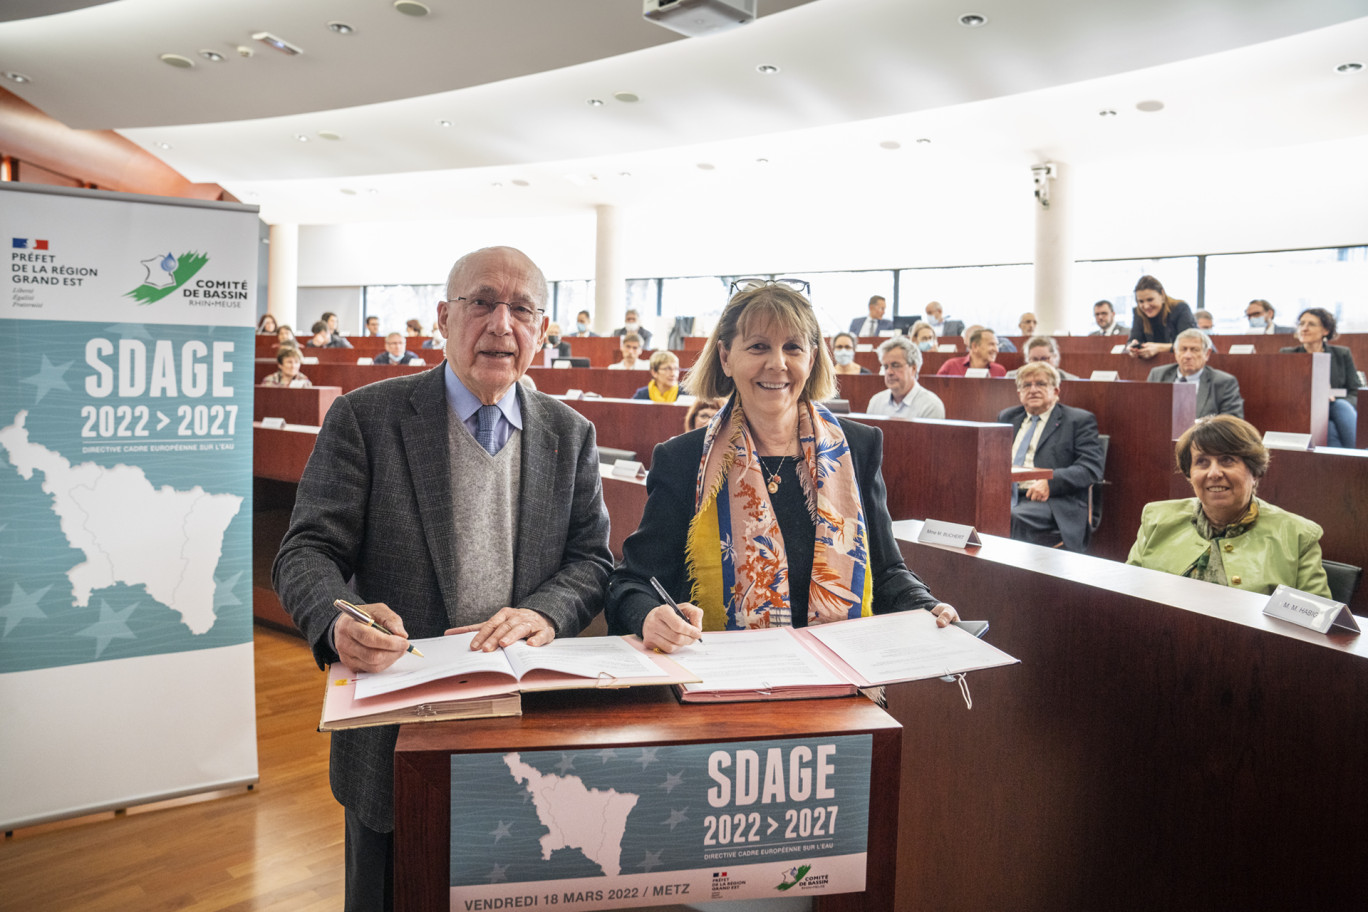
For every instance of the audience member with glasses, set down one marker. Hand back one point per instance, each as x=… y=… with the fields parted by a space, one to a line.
x=775 y=514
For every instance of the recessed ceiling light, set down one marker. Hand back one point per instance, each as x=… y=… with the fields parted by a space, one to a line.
x=411 y=7
x=1351 y=67
x=973 y=20
x=211 y=56
x=348 y=191
x=762 y=161
x=624 y=174
x=371 y=190
x=923 y=141
x=244 y=51
x=1106 y=112
x=627 y=97
x=443 y=123
x=768 y=69
x=595 y=102
x=497 y=184
x=705 y=166
x=278 y=43
x=16 y=77
x=1149 y=107
x=890 y=144
x=329 y=134
x=177 y=61
x=340 y=28
x=302 y=137
x=166 y=146
x=519 y=182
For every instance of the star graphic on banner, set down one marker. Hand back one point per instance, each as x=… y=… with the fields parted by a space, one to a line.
x=648 y=756
x=49 y=377
x=500 y=831
x=567 y=763
x=223 y=593
x=676 y=818
x=671 y=780
x=496 y=873
x=22 y=605
x=652 y=860
x=110 y=626
x=130 y=331
x=604 y=755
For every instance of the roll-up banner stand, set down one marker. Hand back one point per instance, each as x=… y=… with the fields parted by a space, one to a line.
x=126 y=381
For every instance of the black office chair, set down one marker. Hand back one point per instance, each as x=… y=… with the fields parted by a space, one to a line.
x=609 y=455
x=1343 y=578
x=1095 y=491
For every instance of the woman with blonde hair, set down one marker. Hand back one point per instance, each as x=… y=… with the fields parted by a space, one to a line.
x=775 y=514
x=664 y=385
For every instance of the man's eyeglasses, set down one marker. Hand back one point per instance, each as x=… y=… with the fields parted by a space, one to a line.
x=799 y=285
x=523 y=313
x=1035 y=384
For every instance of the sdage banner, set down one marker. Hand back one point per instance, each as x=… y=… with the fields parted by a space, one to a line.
x=644 y=826
x=126 y=385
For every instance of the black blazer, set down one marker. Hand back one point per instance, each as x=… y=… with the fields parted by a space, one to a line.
x=1343 y=372
x=1070 y=446
x=657 y=546
x=1180 y=318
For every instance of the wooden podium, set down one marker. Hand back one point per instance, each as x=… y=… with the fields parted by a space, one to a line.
x=587 y=720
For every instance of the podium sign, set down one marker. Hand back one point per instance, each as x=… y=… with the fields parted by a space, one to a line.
x=670 y=823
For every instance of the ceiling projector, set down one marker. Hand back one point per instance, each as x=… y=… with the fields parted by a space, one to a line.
x=696 y=18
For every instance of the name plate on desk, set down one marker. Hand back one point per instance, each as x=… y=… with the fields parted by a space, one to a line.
x=660 y=824
x=946 y=347
x=1244 y=348
x=1109 y=376
x=1284 y=440
x=276 y=423
x=574 y=394
x=628 y=468
x=1119 y=349
x=954 y=535
x=1312 y=611
x=977 y=373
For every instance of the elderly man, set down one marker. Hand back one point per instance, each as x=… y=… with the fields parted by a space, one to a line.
x=1046 y=349
x=1218 y=393
x=1105 y=315
x=449 y=498
x=555 y=343
x=1260 y=314
x=983 y=352
x=935 y=315
x=1050 y=435
x=874 y=324
x=396 y=352
x=905 y=397
x=1027 y=324
x=632 y=324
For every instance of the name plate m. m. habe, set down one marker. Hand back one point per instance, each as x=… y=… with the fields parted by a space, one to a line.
x=954 y=535
x=1311 y=611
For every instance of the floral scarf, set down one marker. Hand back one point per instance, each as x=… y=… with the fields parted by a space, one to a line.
x=735 y=553
x=1209 y=566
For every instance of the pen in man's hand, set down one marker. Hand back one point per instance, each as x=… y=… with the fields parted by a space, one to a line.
x=360 y=615
x=660 y=590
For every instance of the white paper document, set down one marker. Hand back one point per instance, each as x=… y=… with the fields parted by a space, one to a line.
x=906 y=646
x=753 y=660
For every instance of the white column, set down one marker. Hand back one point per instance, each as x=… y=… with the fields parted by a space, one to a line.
x=1054 y=260
x=610 y=285
x=282 y=281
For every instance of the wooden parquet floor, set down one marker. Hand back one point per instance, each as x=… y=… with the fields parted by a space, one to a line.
x=277 y=847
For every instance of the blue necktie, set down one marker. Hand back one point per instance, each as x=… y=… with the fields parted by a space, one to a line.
x=489 y=418
x=1020 y=458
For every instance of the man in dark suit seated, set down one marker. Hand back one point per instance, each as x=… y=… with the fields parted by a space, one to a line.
x=555 y=342
x=874 y=324
x=1261 y=314
x=632 y=324
x=935 y=315
x=1105 y=315
x=1218 y=393
x=448 y=500
x=396 y=353
x=1050 y=435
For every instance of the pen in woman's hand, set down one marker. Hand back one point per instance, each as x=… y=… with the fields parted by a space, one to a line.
x=660 y=590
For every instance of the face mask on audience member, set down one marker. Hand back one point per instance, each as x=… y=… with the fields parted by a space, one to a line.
x=1258 y=321
x=553 y=338
x=582 y=327
x=926 y=345
x=631 y=326
x=843 y=356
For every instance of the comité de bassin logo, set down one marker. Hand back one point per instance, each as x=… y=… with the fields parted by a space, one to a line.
x=165 y=274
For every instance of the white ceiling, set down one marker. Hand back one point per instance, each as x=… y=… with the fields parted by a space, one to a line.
x=513 y=78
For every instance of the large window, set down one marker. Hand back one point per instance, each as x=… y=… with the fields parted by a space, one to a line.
x=395 y=305
x=1335 y=278
x=570 y=296
x=994 y=296
x=701 y=297
x=1115 y=280
x=839 y=297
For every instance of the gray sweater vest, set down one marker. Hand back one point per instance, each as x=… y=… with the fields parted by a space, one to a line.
x=484 y=496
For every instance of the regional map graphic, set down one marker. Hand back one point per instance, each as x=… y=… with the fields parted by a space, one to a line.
x=624 y=827
x=125 y=470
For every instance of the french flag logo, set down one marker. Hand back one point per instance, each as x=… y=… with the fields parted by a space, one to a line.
x=26 y=244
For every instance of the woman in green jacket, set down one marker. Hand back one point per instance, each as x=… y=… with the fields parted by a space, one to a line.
x=1225 y=534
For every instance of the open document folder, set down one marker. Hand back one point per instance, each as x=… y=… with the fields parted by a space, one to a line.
x=452 y=682
x=830 y=660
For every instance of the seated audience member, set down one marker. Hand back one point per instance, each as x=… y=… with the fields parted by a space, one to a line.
x=700 y=412
x=874 y=324
x=1004 y=344
x=904 y=397
x=373 y=327
x=1260 y=314
x=1105 y=316
x=746 y=480
x=631 y=354
x=337 y=339
x=1051 y=435
x=266 y=326
x=582 y=330
x=555 y=343
x=321 y=338
x=1226 y=535
x=935 y=318
x=664 y=385
x=1158 y=319
x=285 y=337
x=396 y=353
x=1218 y=393
x=1205 y=321
x=436 y=341
x=923 y=336
x=413 y=328
x=843 y=353
x=287 y=370
x=983 y=352
x=632 y=326
x=1046 y=349
x=1315 y=328
x=1027 y=324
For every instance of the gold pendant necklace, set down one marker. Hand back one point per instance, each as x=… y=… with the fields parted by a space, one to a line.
x=773 y=478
